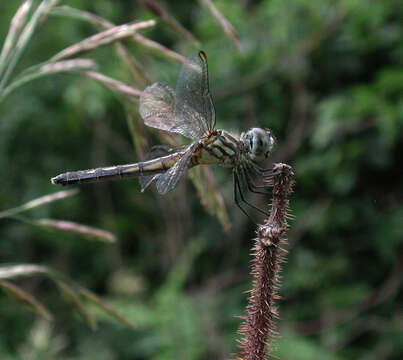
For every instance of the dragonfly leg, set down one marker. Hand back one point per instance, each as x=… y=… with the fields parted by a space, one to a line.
x=238 y=186
x=267 y=176
x=261 y=171
x=237 y=201
x=252 y=187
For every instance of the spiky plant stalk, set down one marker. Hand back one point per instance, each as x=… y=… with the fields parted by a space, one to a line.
x=259 y=325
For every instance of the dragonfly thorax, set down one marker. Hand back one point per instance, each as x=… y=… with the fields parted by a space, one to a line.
x=258 y=143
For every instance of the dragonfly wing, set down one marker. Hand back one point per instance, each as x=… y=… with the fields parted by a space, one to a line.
x=156 y=106
x=157 y=151
x=168 y=180
x=146 y=181
x=194 y=108
x=157 y=103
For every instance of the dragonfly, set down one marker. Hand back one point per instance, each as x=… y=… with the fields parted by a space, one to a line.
x=189 y=111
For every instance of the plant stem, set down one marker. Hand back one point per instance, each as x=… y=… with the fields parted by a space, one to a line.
x=259 y=324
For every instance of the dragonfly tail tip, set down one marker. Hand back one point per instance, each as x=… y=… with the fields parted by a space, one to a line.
x=54 y=180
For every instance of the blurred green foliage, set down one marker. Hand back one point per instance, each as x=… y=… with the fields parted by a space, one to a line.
x=327 y=77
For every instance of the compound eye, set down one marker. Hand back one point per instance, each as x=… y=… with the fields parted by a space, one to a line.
x=269 y=134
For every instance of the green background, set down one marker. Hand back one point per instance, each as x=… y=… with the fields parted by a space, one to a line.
x=326 y=77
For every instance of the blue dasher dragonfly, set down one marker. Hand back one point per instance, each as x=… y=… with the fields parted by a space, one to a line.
x=189 y=111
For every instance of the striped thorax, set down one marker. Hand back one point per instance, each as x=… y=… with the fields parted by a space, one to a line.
x=222 y=148
x=219 y=147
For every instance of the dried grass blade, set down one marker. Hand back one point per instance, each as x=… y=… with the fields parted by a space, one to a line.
x=70 y=12
x=66 y=286
x=26 y=299
x=158 y=49
x=75 y=228
x=106 y=307
x=103 y=38
x=15 y=271
x=178 y=274
x=114 y=85
x=153 y=46
x=136 y=69
x=38 y=202
x=136 y=128
x=224 y=23
x=42 y=10
x=47 y=69
x=209 y=195
x=71 y=295
x=14 y=31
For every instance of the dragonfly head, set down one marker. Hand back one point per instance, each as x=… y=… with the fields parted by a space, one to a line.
x=259 y=142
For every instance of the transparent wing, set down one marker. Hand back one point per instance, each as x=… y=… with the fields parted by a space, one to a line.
x=168 y=180
x=157 y=108
x=146 y=181
x=190 y=111
x=155 y=152
x=194 y=108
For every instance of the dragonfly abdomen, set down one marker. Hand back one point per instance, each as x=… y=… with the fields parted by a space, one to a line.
x=150 y=167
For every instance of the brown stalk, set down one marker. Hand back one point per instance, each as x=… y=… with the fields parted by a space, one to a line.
x=160 y=12
x=153 y=46
x=103 y=38
x=259 y=325
x=115 y=85
x=226 y=26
